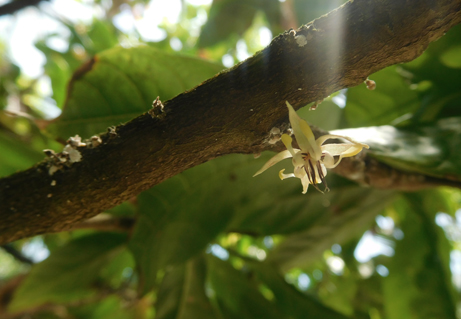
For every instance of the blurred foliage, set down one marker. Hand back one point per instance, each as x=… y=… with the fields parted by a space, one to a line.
x=213 y=242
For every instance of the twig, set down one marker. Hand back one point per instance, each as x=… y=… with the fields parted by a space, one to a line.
x=16 y=254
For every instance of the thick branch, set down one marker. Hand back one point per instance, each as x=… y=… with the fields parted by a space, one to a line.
x=16 y=5
x=367 y=171
x=230 y=113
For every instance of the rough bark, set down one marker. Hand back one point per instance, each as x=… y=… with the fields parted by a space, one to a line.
x=230 y=113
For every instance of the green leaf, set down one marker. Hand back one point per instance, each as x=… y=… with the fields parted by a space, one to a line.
x=357 y=207
x=68 y=273
x=291 y=301
x=119 y=270
x=430 y=149
x=418 y=285
x=328 y=115
x=182 y=215
x=306 y=11
x=182 y=293
x=179 y=217
x=102 y=35
x=391 y=99
x=112 y=307
x=435 y=75
x=59 y=72
x=16 y=155
x=122 y=83
x=236 y=294
x=452 y=57
x=226 y=17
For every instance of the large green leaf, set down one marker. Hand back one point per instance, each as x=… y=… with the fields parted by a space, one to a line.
x=182 y=293
x=290 y=300
x=16 y=155
x=306 y=11
x=122 y=83
x=431 y=149
x=227 y=17
x=436 y=75
x=419 y=285
x=102 y=35
x=112 y=307
x=237 y=294
x=182 y=215
x=391 y=100
x=68 y=273
x=352 y=210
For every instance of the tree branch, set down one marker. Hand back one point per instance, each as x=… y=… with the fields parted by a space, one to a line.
x=367 y=171
x=16 y=5
x=16 y=254
x=230 y=113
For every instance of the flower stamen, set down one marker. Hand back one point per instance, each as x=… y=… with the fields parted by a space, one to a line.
x=322 y=177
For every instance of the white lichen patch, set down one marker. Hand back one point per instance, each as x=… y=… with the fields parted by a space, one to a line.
x=301 y=40
x=70 y=154
x=53 y=169
x=75 y=141
x=275 y=131
x=112 y=131
x=95 y=141
x=274 y=139
x=74 y=155
x=274 y=135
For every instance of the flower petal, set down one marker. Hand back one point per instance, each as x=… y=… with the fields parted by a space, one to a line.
x=274 y=160
x=305 y=182
x=328 y=160
x=303 y=133
x=285 y=176
x=338 y=149
x=287 y=140
x=349 y=150
x=300 y=173
x=323 y=138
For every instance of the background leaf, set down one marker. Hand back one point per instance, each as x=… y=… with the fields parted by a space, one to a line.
x=430 y=149
x=122 y=83
x=16 y=155
x=182 y=292
x=418 y=285
x=235 y=295
x=68 y=273
x=291 y=301
x=358 y=209
x=388 y=103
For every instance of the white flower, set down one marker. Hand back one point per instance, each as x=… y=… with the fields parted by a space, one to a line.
x=311 y=161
